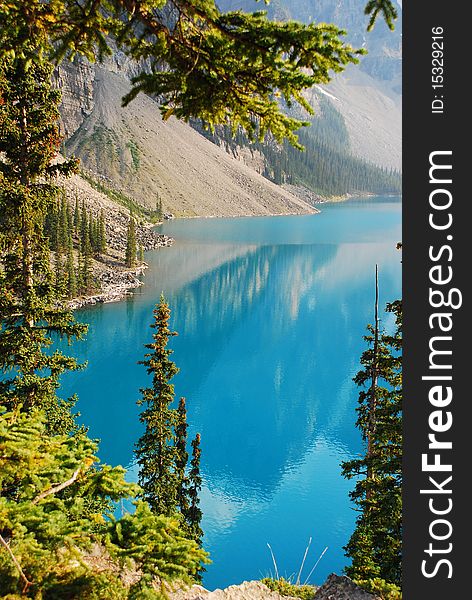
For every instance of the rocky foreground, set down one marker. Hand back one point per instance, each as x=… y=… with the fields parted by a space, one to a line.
x=335 y=588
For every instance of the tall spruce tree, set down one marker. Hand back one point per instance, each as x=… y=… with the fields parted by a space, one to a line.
x=29 y=315
x=60 y=281
x=375 y=546
x=193 y=516
x=86 y=275
x=181 y=461
x=92 y=233
x=162 y=449
x=64 y=222
x=189 y=484
x=70 y=270
x=76 y=215
x=156 y=450
x=130 y=253
x=83 y=227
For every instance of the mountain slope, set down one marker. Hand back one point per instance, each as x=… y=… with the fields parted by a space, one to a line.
x=368 y=95
x=134 y=151
x=372 y=114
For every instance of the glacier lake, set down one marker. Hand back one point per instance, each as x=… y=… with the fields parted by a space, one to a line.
x=271 y=314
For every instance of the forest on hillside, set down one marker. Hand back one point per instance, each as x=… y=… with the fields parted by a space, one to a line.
x=326 y=165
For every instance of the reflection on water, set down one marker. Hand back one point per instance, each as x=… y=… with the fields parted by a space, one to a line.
x=270 y=314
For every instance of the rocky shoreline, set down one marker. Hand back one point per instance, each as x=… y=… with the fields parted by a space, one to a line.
x=115 y=281
x=116 y=286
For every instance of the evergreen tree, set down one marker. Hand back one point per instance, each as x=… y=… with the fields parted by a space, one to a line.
x=64 y=223
x=130 y=255
x=46 y=484
x=95 y=234
x=156 y=449
x=29 y=315
x=140 y=254
x=60 y=282
x=70 y=270
x=162 y=449
x=189 y=485
x=76 y=215
x=181 y=457
x=51 y=484
x=86 y=277
x=375 y=545
x=194 y=515
x=102 y=235
x=83 y=225
x=51 y=226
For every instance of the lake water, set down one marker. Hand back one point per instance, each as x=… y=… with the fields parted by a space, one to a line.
x=270 y=314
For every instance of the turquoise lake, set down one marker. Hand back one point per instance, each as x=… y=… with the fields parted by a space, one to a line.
x=271 y=313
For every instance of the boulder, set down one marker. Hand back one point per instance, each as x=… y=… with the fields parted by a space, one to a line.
x=342 y=588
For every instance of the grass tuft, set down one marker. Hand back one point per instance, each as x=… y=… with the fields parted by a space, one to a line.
x=285 y=588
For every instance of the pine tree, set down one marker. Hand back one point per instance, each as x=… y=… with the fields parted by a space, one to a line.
x=60 y=283
x=181 y=457
x=156 y=449
x=162 y=449
x=189 y=485
x=70 y=270
x=50 y=486
x=29 y=315
x=83 y=229
x=64 y=223
x=51 y=226
x=194 y=515
x=130 y=255
x=92 y=233
x=102 y=235
x=55 y=499
x=375 y=545
x=76 y=215
x=201 y=54
x=140 y=253
x=87 y=283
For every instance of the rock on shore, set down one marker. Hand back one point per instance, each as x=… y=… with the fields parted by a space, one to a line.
x=342 y=588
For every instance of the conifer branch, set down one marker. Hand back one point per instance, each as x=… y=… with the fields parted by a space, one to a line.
x=27 y=582
x=57 y=488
